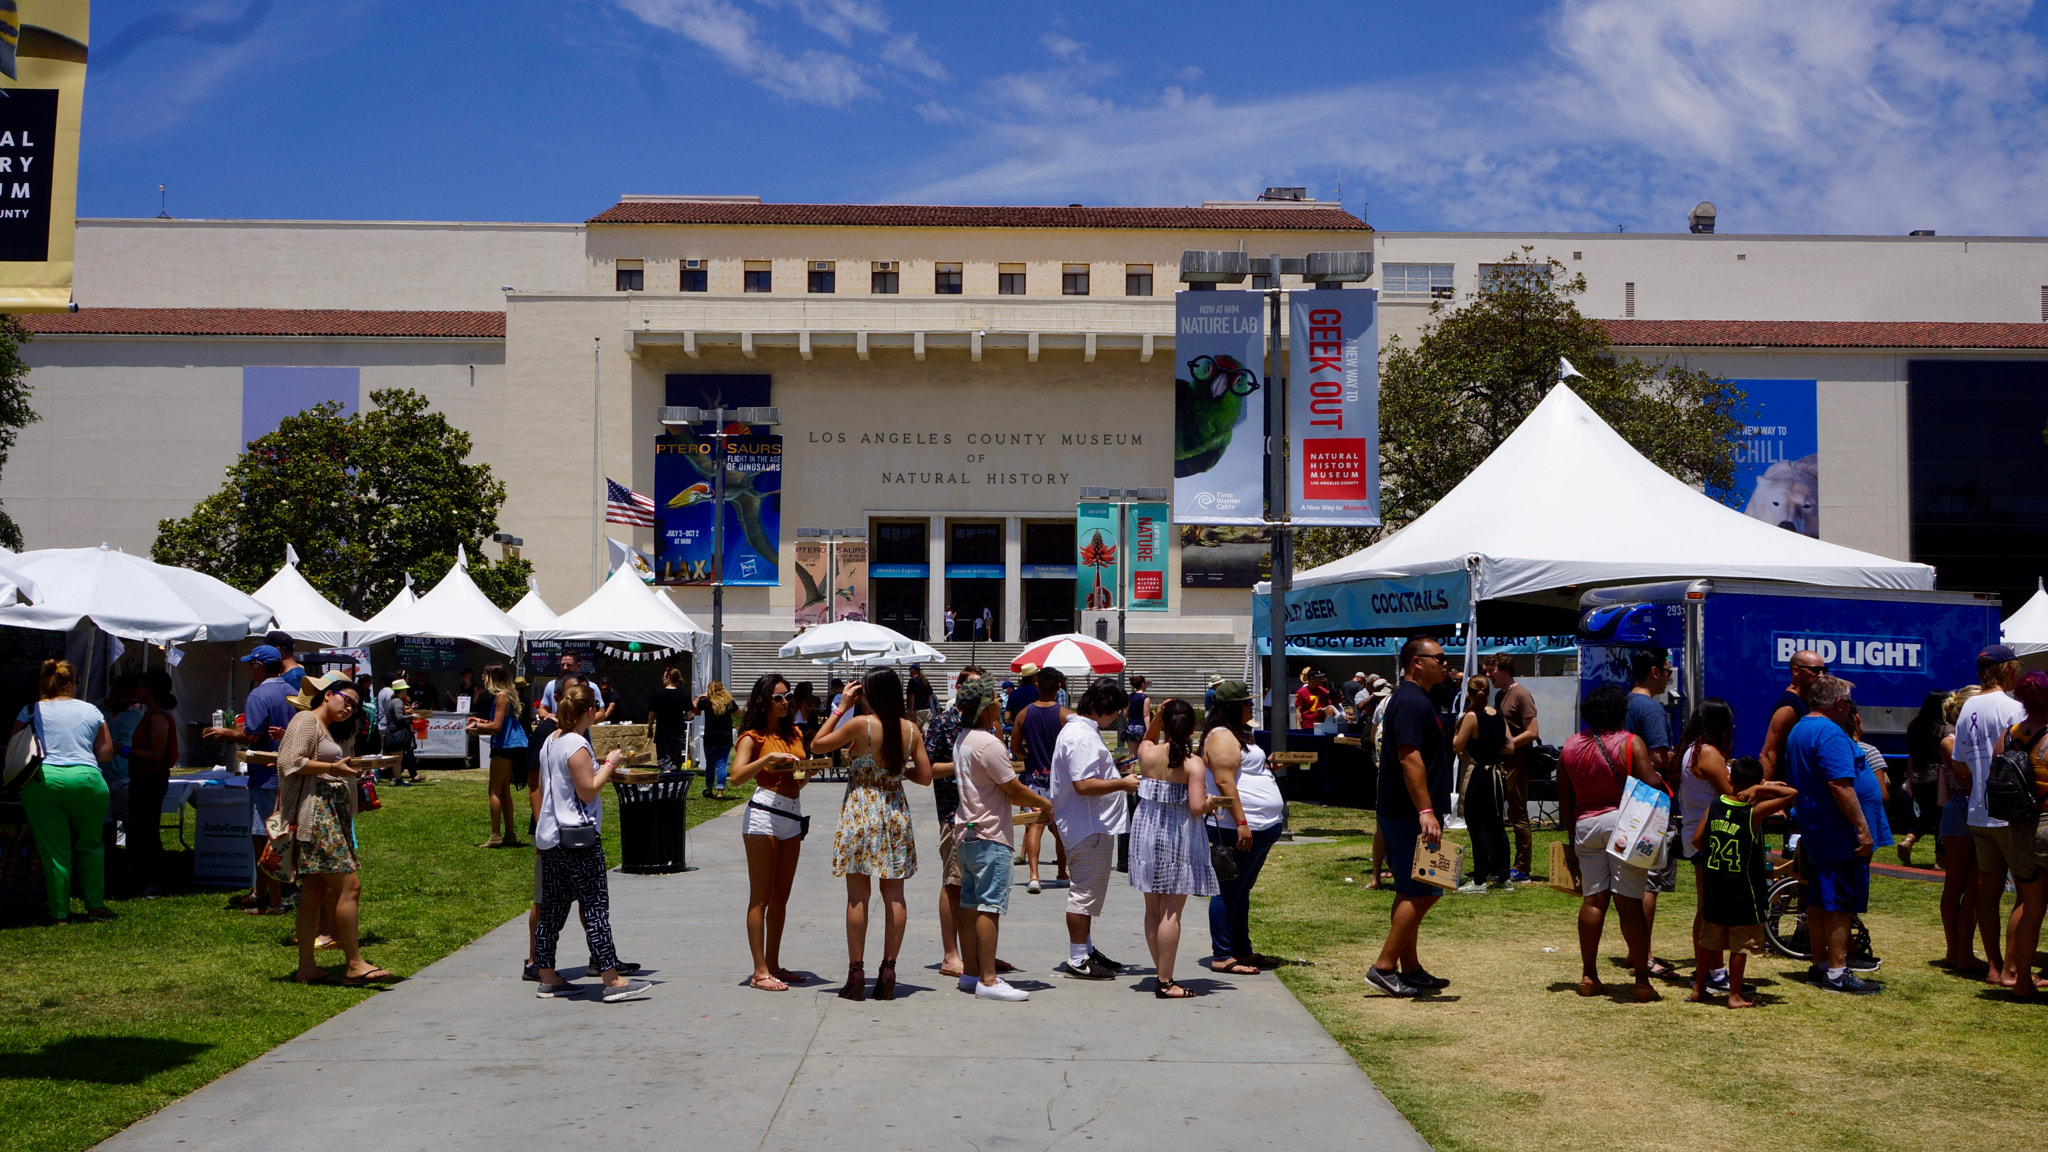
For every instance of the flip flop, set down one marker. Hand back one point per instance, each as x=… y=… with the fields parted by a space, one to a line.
x=1662 y=969
x=767 y=984
x=265 y=910
x=1234 y=969
x=327 y=978
x=373 y=976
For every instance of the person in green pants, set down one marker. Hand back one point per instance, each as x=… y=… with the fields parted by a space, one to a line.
x=68 y=804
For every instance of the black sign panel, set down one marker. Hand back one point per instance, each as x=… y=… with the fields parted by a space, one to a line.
x=544 y=657
x=28 y=150
x=429 y=653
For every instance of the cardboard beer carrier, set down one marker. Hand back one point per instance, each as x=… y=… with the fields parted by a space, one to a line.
x=1438 y=867
x=1562 y=877
x=1642 y=831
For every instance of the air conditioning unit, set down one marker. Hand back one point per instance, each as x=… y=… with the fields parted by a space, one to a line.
x=821 y=265
x=693 y=265
x=885 y=265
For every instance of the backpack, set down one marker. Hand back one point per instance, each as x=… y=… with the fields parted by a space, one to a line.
x=2009 y=783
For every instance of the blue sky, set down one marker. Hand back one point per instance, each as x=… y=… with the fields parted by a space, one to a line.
x=1814 y=116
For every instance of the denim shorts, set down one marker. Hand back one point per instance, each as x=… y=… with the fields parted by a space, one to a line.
x=984 y=873
x=1400 y=834
x=1955 y=815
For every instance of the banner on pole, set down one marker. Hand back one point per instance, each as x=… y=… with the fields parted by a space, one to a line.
x=1098 y=558
x=813 y=583
x=683 y=488
x=1150 y=528
x=42 y=69
x=1219 y=451
x=1333 y=408
x=850 y=583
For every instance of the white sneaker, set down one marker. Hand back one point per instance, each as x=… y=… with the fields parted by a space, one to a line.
x=1032 y=887
x=627 y=990
x=969 y=981
x=1000 y=990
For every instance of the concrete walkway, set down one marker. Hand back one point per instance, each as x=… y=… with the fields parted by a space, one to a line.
x=462 y=1056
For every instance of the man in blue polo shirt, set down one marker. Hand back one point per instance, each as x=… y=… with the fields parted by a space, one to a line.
x=264 y=716
x=1821 y=761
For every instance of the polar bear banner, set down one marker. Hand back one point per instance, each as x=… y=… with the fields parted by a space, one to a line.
x=1777 y=456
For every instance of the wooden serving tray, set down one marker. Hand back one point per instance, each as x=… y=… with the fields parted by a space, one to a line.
x=637 y=775
x=1293 y=757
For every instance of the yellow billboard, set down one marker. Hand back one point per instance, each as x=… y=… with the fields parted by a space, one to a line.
x=42 y=90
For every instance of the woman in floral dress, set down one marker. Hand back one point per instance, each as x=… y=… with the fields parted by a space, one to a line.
x=318 y=795
x=873 y=838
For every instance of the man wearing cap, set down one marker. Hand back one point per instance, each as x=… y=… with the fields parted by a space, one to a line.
x=1980 y=733
x=1025 y=695
x=1209 y=694
x=290 y=670
x=1312 y=700
x=265 y=714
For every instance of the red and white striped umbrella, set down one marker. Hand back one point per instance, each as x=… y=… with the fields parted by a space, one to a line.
x=1073 y=654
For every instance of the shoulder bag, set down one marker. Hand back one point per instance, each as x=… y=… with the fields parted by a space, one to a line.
x=2008 y=783
x=584 y=835
x=25 y=752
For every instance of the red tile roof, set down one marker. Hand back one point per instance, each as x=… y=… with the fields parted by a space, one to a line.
x=262 y=322
x=1823 y=334
x=940 y=216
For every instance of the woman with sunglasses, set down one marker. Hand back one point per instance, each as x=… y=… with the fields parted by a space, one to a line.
x=770 y=747
x=317 y=794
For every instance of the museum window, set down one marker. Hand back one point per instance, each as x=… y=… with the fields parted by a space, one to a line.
x=694 y=279
x=1974 y=451
x=1010 y=279
x=946 y=279
x=760 y=276
x=1496 y=277
x=1073 y=279
x=882 y=281
x=821 y=277
x=1261 y=281
x=900 y=543
x=1415 y=282
x=627 y=275
x=1137 y=279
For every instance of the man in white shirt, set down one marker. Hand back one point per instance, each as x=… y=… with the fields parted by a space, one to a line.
x=1980 y=733
x=1089 y=811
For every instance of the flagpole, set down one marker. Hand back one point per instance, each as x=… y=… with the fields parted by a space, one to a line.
x=596 y=439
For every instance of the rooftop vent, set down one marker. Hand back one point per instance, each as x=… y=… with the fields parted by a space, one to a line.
x=1284 y=194
x=1921 y=232
x=1701 y=219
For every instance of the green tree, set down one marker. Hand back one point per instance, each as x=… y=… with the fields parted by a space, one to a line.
x=365 y=499
x=1479 y=369
x=15 y=414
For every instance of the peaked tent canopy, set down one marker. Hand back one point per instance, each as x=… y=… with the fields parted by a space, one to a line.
x=2026 y=630
x=1565 y=502
x=624 y=610
x=310 y=617
x=531 y=611
x=403 y=600
x=454 y=609
x=132 y=597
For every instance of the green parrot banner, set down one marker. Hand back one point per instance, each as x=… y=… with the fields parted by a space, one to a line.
x=1219 y=452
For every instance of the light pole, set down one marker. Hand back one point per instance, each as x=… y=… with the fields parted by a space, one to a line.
x=832 y=537
x=688 y=418
x=1123 y=498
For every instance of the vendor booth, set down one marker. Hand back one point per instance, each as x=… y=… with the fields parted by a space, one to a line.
x=2026 y=630
x=453 y=613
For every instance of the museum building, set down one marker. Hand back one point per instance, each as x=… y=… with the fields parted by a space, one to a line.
x=950 y=378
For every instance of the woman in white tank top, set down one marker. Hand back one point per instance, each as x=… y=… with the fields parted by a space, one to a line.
x=1247 y=825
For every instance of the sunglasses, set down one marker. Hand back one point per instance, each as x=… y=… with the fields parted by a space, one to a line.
x=1810 y=667
x=1436 y=656
x=779 y=697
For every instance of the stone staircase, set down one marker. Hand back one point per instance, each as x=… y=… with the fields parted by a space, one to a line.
x=1173 y=669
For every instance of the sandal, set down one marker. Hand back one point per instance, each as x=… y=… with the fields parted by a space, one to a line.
x=1588 y=986
x=1661 y=968
x=1234 y=968
x=1645 y=994
x=327 y=978
x=885 y=981
x=266 y=910
x=768 y=983
x=1172 y=990
x=373 y=976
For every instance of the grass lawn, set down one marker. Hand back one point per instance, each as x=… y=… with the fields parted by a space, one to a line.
x=1510 y=1057
x=103 y=1024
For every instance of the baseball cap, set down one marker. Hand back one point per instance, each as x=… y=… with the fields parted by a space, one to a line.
x=1232 y=692
x=974 y=696
x=1998 y=654
x=263 y=654
x=282 y=641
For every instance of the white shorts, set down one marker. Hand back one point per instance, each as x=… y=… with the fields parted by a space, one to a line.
x=1598 y=870
x=1089 y=863
x=784 y=823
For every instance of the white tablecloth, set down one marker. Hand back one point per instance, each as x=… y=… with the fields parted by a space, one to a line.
x=182 y=787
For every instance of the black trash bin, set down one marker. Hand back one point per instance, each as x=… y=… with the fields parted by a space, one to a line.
x=651 y=823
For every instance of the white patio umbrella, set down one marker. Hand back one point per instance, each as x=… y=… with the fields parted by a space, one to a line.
x=919 y=652
x=14 y=587
x=532 y=612
x=1072 y=653
x=845 y=639
x=301 y=610
x=131 y=597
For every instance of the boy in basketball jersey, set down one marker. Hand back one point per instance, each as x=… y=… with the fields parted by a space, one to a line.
x=1730 y=848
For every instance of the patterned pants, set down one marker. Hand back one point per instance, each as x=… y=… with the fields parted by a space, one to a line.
x=574 y=876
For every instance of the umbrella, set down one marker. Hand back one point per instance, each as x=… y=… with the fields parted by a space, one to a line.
x=845 y=639
x=1073 y=654
x=131 y=597
x=918 y=653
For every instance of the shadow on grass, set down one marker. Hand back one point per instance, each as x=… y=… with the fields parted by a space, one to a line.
x=100 y=1059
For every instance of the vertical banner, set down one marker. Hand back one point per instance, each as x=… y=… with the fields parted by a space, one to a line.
x=850 y=583
x=1219 y=451
x=1333 y=408
x=1777 y=456
x=683 y=488
x=42 y=69
x=1098 y=560
x=813 y=583
x=1150 y=528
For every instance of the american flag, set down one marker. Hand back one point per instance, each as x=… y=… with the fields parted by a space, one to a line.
x=622 y=505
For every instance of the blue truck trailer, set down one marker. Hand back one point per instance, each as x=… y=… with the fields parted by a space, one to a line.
x=1735 y=638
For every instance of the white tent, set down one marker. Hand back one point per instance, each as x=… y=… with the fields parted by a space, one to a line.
x=1566 y=502
x=311 y=619
x=2026 y=630
x=454 y=609
x=531 y=611
x=14 y=587
x=624 y=610
x=132 y=597
x=399 y=603
x=845 y=639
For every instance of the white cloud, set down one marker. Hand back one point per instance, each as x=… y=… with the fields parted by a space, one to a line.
x=934 y=112
x=1832 y=115
x=1061 y=45
x=814 y=76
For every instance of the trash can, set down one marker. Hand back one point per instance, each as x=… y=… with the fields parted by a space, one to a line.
x=651 y=820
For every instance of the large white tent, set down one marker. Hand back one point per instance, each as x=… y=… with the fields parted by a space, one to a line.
x=624 y=610
x=311 y=619
x=400 y=602
x=532 y=611
x=131 y=597
x=1565 y=503
x=454 y=609
x=2026 y=630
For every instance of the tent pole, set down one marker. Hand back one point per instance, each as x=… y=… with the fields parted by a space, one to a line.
x=1471 y=617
